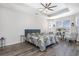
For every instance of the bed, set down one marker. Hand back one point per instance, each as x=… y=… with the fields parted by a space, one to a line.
x=39 y=39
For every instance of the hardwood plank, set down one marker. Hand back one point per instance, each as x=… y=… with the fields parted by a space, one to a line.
x=63 y=48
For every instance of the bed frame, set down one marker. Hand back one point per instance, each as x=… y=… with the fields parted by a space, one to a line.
x=36 y=31
x=31 y=31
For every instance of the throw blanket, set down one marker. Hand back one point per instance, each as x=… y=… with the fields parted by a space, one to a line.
x=41 y=40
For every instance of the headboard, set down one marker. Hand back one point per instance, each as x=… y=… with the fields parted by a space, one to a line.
x=31 y=31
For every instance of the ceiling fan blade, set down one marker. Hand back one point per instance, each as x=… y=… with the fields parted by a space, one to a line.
x=43 y=5
x=46 y=4
x=49 y=4
x=50 y=9
x=53 y=6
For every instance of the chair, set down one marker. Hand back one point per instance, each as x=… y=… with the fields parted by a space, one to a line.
x=71 y=36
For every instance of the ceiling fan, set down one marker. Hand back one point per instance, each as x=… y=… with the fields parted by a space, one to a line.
x=48 y=6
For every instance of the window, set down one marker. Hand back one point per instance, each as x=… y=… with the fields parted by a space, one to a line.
x=50 y=24
x=66 y=24
x=59 y=24
x=77 y=22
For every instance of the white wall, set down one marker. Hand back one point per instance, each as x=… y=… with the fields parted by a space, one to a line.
x=14 y=23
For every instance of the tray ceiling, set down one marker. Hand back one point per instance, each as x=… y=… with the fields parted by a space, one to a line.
x=60 y=8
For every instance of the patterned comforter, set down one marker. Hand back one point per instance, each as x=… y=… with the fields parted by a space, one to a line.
x=41 y=40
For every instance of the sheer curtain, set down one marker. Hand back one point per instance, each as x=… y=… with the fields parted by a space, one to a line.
x=77 y=24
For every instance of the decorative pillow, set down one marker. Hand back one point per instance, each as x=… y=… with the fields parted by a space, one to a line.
x=37 y=33
x=28 y=35
x=33 y=34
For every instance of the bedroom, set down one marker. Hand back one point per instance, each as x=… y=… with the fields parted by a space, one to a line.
x=47 y=23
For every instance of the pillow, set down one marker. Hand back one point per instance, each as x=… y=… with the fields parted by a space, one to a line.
x=28 y=35
x=37 y=33
x=32 y=33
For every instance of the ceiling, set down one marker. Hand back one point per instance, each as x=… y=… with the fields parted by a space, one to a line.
x=62 y=9
x=47 y=12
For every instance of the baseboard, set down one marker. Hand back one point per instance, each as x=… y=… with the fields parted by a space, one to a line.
x=12 y=43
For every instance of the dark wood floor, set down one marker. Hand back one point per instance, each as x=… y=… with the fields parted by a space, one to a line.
x=25 y=49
